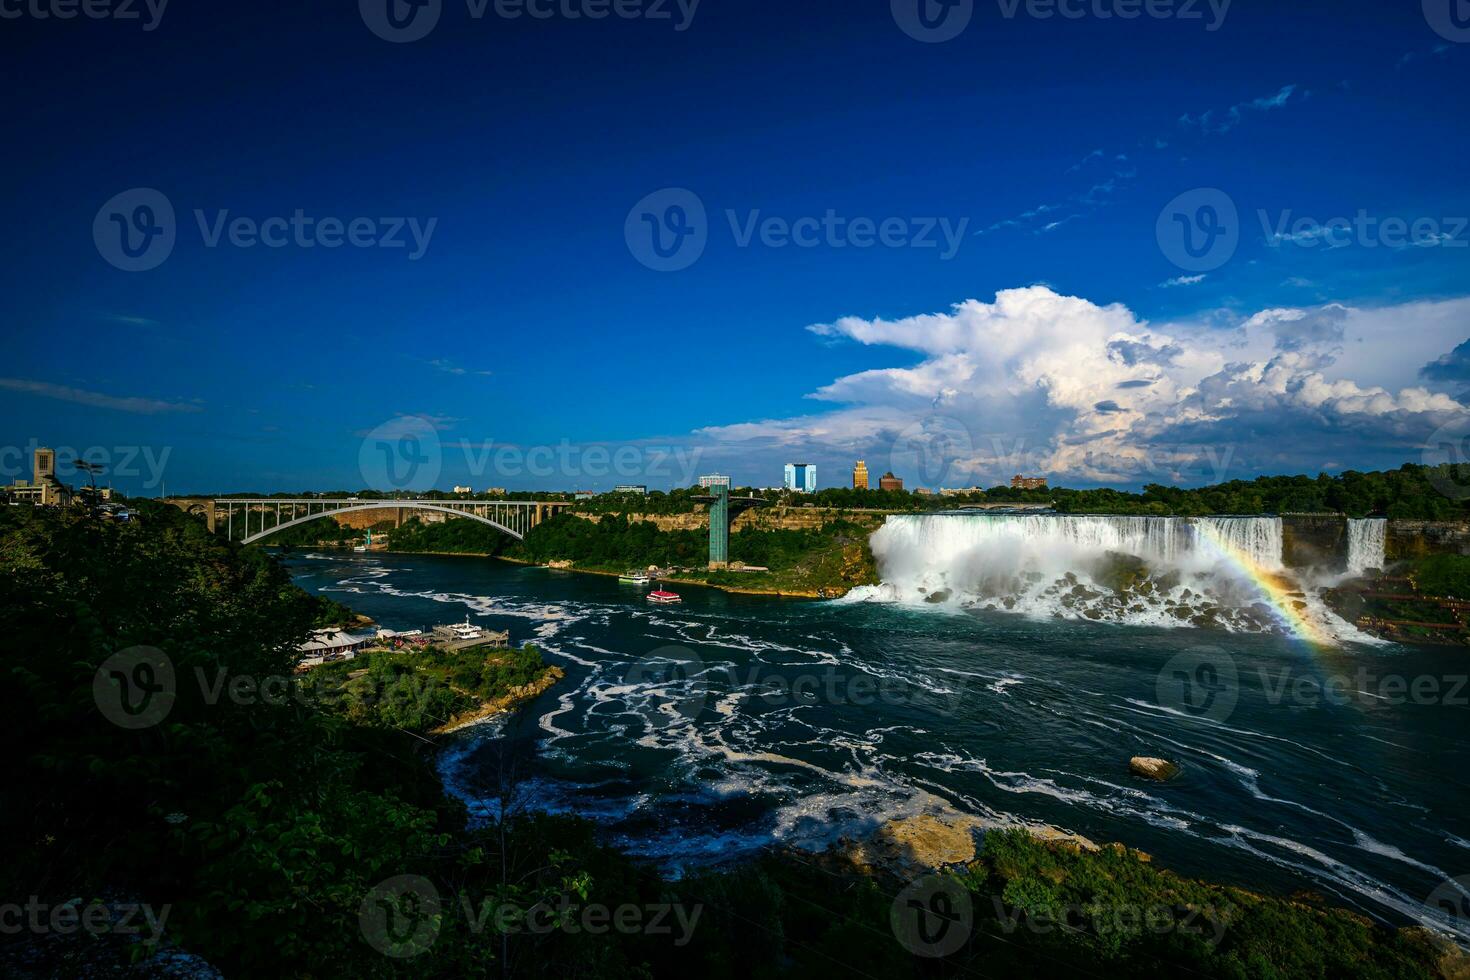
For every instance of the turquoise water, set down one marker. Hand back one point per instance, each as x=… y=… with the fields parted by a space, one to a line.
x=703 y=732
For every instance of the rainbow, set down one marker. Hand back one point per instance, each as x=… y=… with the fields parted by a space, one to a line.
x=1276 y=590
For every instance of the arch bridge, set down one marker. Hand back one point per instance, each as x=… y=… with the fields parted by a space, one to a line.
x=260 y=517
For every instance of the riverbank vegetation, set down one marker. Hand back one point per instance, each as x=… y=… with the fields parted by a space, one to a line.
x=418 y=689
x=834 y=556
x=275 y=830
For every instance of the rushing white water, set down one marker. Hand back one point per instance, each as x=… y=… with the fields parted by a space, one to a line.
x=1160 y=571
x=1366 y=544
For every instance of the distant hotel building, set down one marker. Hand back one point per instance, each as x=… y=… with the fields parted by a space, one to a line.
x=801 y=477
x=1019 y=482
x=860 y=476
x=714 y=481
x=639 y=489
x=44 y=490
x=889 y=482
x=464 y=489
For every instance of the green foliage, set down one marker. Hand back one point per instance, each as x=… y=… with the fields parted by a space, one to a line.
x=1408 y=492
x=612 y=542
x=1110 y=906
x=419 y=689
x=322 y=531
x=457 y=536
x=1443 y=575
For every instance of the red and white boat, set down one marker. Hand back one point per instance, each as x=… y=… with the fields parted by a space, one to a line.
x=659 y=595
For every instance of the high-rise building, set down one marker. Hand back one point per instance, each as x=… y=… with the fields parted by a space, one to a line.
x=860 y=476
x=889 y=482
x=801 y=477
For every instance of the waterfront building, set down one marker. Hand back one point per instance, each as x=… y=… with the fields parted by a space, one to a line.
x=801 y=477
x=860 y=476
x=1019 y=482
x=889 y=482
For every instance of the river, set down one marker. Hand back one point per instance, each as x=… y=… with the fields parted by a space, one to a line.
x=703 y=732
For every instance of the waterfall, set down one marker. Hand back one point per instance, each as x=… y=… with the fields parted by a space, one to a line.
x=1255 y=538
x=1366 y=544
x=1162 y=571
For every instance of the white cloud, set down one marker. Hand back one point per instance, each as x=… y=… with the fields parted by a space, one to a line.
x=95 y=399
x=1086 y=392
x=1217 y=123
x=1183 y=280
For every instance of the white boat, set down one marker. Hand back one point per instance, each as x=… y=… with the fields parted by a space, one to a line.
x=634 y=578
x=661 y=596
x=459 y=632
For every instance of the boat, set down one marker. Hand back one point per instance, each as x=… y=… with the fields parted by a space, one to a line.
x=634 y=578
x=459 y=632
x=660 y=595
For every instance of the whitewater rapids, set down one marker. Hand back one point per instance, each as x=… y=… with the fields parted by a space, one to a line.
x=1212 y=573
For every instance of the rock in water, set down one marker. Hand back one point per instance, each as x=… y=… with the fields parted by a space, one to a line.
x=1160 y=769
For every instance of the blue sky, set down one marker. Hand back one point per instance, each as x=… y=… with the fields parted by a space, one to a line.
x=1041 y=157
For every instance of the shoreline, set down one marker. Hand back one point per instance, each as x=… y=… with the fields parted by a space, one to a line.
x=507 y=703
x=731 y=589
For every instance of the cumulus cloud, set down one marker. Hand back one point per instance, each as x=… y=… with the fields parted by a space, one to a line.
x=1087 y=392
x=1454 y=366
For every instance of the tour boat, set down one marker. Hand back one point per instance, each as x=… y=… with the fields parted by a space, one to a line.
x=661 y=596
x=634 y=578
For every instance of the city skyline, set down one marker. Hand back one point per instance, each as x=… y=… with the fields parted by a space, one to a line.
x=1240 y=256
